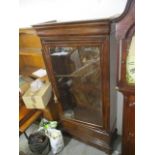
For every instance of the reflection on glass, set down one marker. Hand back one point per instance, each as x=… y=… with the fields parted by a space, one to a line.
x=78 y=76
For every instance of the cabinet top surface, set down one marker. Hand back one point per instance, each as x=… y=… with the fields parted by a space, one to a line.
x=72 y=23
x=93 y=27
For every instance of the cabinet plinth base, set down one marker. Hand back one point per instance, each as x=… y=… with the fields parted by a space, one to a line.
x=93 y=136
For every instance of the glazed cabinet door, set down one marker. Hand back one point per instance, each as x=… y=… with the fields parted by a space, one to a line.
x=77 y=59
x=77 y=74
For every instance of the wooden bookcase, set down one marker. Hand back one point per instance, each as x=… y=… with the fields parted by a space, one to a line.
x=31 y=59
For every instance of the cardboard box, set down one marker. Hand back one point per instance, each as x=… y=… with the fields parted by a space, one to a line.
x=39 y=99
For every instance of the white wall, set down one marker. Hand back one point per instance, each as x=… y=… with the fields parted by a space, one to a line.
x=119 y=112
x=38 y=11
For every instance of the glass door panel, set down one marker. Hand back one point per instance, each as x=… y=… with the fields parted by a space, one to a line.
x=78 y=76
